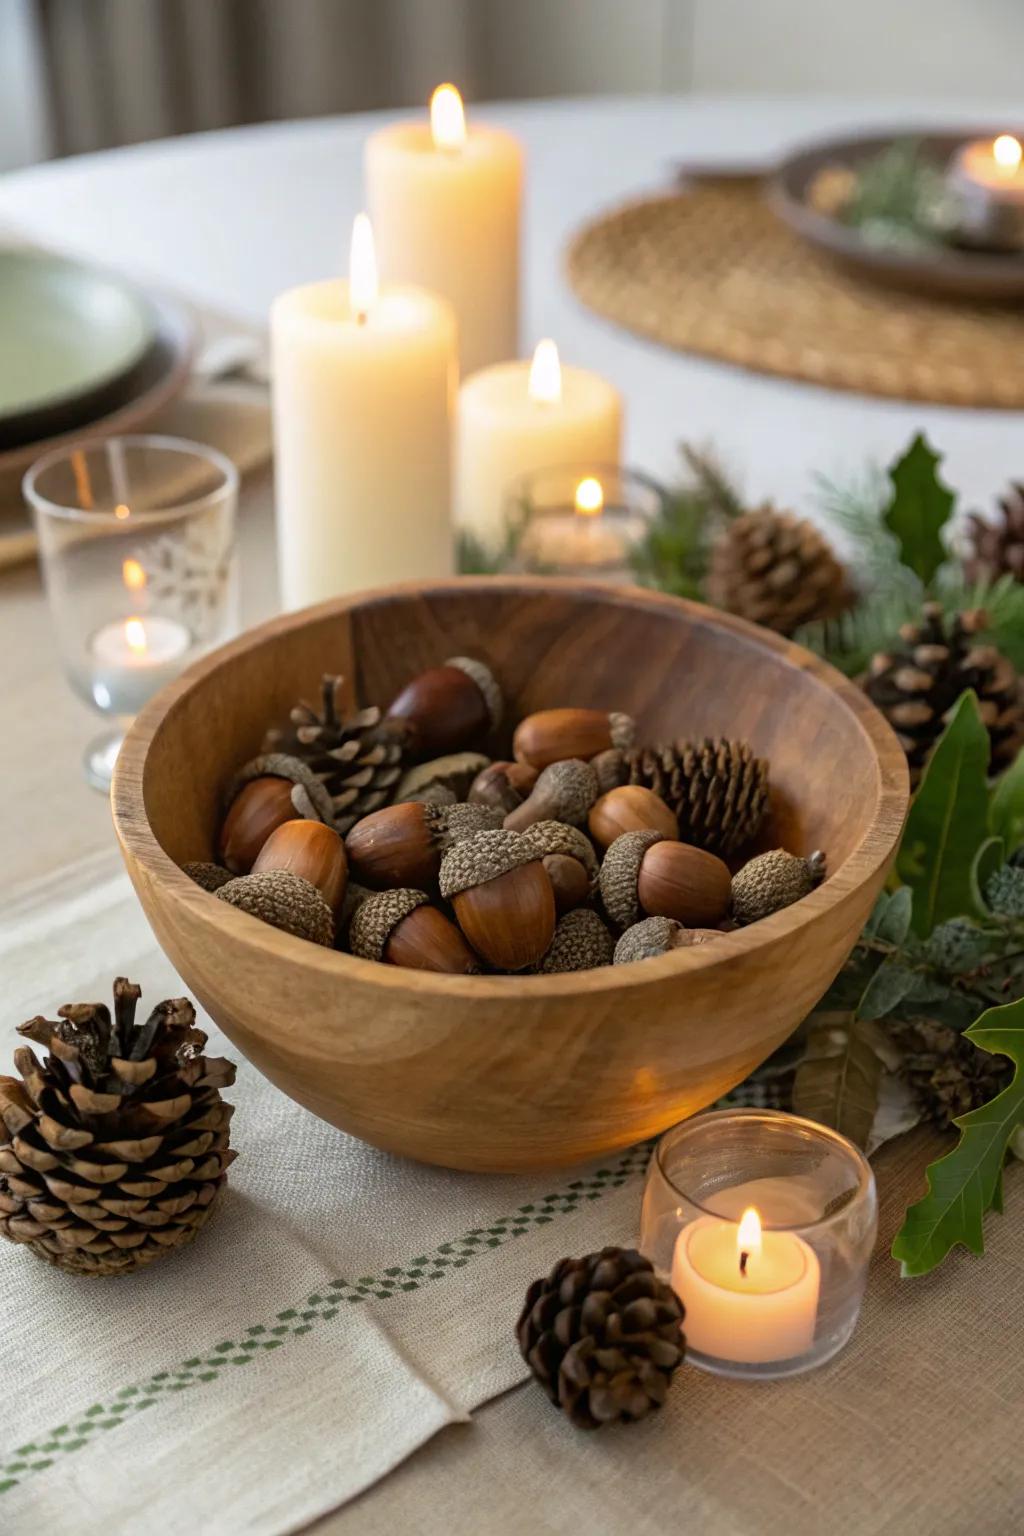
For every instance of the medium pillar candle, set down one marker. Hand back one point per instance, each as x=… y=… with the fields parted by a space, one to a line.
x=364 y=387
x=520 y=417
x=445 y=204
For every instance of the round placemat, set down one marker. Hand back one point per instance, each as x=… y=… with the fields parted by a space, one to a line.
x=714 y=271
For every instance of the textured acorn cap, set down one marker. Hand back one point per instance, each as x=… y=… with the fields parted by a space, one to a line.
x=772 y=881
x=210 y=876
x=309 y=796
x=454 y=772
x=611 y=769
x=377 y=917
x=485 y=681
x=572 y=784
x=464 y=820
x=622 y=729
x=283 y=900
x=558 y=837
x=483 y=857
x=653 y=936
x=581 y=942
x=620 y=871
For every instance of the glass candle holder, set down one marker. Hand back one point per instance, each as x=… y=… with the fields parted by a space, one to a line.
x=580 y=520
x=764 y=1224
x=137 y=544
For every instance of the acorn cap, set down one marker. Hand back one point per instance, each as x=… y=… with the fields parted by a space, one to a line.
x=482 y=857
x=454 y=772
x=772 y=881
x=485 y=681
x=309 y=796
x=653 y=936
x=376 y=918
x=622 y=729
x=619 y=873
x=557 y=837
x=283 y=900
x=573 y=782
x=355 y=895
x=210 y=876
x=611 y=769
x=581 y=942
x=464 y=820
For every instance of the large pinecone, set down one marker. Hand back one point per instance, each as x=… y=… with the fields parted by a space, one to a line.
x=603 y=1336
x=997 y=548
x=916 y=684
x=776 y=569
x=948 y=1073
x=358 y=757
x=114 y=1148
x=718 y=789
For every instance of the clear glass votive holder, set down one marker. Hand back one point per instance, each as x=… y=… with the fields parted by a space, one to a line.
x=580 y=520
x=137 y=546
x=779 y=1292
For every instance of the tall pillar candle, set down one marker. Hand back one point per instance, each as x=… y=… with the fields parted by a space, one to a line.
x=520 y=417
x=364 y=389
x=445 y=200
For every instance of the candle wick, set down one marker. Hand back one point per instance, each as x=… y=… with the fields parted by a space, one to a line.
x=744 y=1256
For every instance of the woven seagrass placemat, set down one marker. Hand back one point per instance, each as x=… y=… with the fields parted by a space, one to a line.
x=713 y=271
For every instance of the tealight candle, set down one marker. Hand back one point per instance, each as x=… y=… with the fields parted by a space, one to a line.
x=987 y=176
x=130 y=659
x=581 y=520
x=444 y=198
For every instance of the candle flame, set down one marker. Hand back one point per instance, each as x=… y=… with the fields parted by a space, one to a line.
x=362 y=269
x=589 y=497
x=545 y=385
x=1007 y=152
x=135 y=634
x=748 y=1237
x=133 y=575
x=447 y=118
x=121 y=511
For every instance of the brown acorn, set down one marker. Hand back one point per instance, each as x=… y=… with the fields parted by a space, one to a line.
x=399 y=846
x=448 y=708
x=551 y=735
x=630 y=808
x=400 y=927
x=502 y=785
x=259 y=808
x=502 y=898
x=309 y=849
x=564 y=791
x=644 y=872
x=656 y=936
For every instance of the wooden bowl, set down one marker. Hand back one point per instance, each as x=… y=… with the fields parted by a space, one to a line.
x=503 y=1073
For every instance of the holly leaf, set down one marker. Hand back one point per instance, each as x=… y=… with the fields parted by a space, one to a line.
x=948 y=823
x=919 y=509
x=967 y=1182
x=1007 y=808
x=839 y=1079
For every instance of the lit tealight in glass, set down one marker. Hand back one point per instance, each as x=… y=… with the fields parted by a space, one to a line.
x=589 y=499
x=1006 y=152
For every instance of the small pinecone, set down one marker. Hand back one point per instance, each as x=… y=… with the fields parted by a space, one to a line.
x=997 y=548
x=358 y=758
x=718 y=789
x=776 y=569
x=948 y=1073
x=114 y=1148
x=603 y=1336
x=917 y=683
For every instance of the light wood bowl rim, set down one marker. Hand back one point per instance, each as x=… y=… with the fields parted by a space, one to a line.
x=874 y=850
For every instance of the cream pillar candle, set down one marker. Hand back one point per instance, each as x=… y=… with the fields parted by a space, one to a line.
x=519 y=417
x=364 y=389
x=445 y=205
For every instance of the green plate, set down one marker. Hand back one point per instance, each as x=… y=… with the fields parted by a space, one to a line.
x=69 y=335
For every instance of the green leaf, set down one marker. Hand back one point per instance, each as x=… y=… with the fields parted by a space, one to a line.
x=1007 y=809
x=948 y=822
x=966 y=1183
x=894 y=922
x=838 y=1081
x=890 y=984
x=989 y=857
x=919 y=509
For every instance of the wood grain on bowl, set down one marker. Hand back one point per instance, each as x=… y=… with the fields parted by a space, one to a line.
x=516 y=1072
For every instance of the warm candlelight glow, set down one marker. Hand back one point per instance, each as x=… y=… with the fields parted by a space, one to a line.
x=748 y=1238
x=362 y=271
x=447 y=118
x=132 y=574
x=589 y=497
x=135 y=634
x=121 y=511
x=1007 y=152
x=545 y=382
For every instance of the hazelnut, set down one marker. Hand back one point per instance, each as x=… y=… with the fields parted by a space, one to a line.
x=644 y=872
x=283 y=900
x=569 y=859
x=580 y=943
x=564 y=791
x=400 y=927
x=502 y=898
x=656 y=936
x=774 y=880
x=447 y=708
x=630 y=808
x=259 y=808
x=311 y=850
x=504 y=785
x=554 y=734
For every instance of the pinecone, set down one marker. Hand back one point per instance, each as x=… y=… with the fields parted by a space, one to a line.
x=113 y=1149
x=718 y=789
x=603 y=1336
x=997 y=548
x=916 y=684
x=948 y=1073
x=776 y=569
x=358 y=758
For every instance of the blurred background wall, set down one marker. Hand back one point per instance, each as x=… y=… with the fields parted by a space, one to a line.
x=79 y=75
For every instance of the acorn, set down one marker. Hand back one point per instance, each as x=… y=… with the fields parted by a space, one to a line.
x=611 y=769
x=210 y=876
x=564 y=791
x=630 y=808
x=453 y=774
x=309 y=849
x=403 y=845
x=644 y=872
x=581 y=942
x=400 y=927
x=656 y=936
x=570 y=861
x=551 y=735
x=259 y=808
x=502 y=898
x=504 y=785
x=283 y=900
x=774 y=880
x=447 y=708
